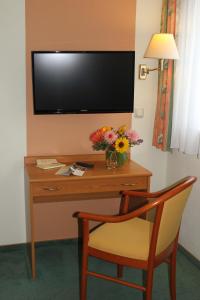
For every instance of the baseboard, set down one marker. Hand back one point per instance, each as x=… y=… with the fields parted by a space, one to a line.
x=22 y=246
x=190 y=257
x=52 y=242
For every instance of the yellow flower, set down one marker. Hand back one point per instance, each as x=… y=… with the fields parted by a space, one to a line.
x=121 y=144
x=121 y=129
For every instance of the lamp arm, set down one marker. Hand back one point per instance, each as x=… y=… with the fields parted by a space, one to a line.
x=144 y=69
x=159 y=68
x=151 y=69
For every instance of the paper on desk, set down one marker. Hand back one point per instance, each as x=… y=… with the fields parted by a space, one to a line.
x=48 y=163
x=68 y=170
x=76 y=171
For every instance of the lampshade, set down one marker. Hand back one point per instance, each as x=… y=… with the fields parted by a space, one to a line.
x=162 y=46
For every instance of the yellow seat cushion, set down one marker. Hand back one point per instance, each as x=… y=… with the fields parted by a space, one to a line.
x=129 y=239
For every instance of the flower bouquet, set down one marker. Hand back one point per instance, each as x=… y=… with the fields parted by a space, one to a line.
x=116 y=143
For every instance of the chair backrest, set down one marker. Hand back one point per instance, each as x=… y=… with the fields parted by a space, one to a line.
x=171 y=219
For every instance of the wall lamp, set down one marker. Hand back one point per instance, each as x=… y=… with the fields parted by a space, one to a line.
x=161 y=46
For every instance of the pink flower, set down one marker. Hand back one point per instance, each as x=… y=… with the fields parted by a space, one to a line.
x=110 y=137
x=132 y=135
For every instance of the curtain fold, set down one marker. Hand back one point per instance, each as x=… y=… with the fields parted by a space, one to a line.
x=186 y=112
x=163 y=116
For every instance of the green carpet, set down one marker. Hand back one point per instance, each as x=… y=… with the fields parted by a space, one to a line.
x=58 y=276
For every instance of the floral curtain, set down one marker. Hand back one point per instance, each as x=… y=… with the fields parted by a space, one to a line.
x=186 y=109
x=163 y=117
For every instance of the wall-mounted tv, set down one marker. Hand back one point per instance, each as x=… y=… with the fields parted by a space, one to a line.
x=83 y=82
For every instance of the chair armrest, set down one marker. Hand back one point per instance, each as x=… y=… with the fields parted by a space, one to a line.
x=141 y=194
x=158 y=193
x=115 y=219
x=162 y=195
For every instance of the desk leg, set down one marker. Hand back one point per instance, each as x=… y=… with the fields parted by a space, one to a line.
x=129 y=204
x=33 y=260
x=30 y=230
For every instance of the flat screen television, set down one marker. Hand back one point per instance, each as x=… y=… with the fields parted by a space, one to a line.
x=83 y=82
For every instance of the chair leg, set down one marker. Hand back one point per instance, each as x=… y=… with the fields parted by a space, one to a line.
x=119 y=271
x=83 y=291
x=172 y=275
x=148 y=282
x=144 y=280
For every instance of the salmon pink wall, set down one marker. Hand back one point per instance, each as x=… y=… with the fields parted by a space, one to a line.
x=72 y=25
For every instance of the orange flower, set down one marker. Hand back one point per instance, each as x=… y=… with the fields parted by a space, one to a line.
x=106 y=128
x=97 y=136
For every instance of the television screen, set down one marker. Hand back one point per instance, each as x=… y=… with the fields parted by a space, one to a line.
x=83 y=82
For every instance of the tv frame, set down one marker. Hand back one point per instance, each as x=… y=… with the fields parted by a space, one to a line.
x=61 y=112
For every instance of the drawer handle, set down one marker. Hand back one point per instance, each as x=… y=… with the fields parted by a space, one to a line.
x=51 y=188
x=128 y=184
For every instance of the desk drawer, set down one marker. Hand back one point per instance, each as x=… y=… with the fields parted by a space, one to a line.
x=88 y=186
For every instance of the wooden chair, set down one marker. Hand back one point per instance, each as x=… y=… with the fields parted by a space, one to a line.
x=135 y=242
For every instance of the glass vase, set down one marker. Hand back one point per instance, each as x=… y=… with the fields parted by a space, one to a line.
x=115 y=159
x=111 y=159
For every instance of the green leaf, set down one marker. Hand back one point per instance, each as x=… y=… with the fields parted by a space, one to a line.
x=121 y=158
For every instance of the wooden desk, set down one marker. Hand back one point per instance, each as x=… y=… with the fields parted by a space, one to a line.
x=99 y=182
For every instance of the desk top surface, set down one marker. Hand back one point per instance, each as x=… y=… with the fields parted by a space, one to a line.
x=99 y=170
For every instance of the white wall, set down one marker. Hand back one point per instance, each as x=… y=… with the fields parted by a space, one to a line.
x=12 y=121
x=148 y=14
x=181 y=165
